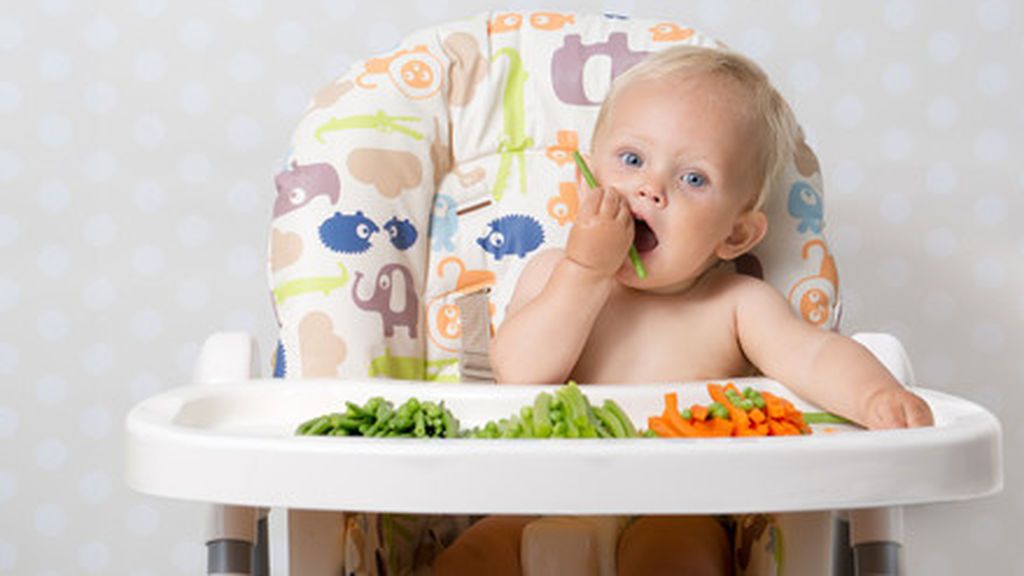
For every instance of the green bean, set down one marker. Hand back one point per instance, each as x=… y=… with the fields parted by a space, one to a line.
x=420 y=426
x=451 y=425
x=560 y=430
x=542 y=415
x=620 y=415
x=322 y=425
x=610 y=422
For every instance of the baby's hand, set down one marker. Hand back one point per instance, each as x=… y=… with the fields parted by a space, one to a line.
x=603 y=232
x=897 y=408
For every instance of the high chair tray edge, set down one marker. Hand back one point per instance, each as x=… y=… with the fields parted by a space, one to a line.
x=234 y=443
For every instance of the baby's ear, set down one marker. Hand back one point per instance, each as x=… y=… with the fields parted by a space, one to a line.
x=749 y=228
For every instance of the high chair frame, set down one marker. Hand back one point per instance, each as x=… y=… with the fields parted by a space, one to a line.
x=218 y=441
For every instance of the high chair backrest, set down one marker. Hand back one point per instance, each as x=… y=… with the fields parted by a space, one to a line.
x=440 y=168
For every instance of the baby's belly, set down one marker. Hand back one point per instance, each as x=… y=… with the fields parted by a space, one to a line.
x=627 y=365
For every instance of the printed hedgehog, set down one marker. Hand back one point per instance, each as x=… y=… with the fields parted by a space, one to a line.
x=517 y=234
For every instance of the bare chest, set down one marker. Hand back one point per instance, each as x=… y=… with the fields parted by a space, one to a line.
x=649 y=339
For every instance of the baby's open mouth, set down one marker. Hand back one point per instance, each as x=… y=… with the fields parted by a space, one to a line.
x=644 y=238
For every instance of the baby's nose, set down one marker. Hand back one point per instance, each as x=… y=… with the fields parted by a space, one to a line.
x=651 y=193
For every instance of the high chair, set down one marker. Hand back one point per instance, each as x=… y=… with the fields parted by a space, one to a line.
x=416 y=189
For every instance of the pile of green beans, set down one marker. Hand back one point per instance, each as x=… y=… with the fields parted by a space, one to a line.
x=379 y=418
x=565 y=414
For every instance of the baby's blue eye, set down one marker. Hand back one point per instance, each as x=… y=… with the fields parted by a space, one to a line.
x=694 y=179
x=631 y=159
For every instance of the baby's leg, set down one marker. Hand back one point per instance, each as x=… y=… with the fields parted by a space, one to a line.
x=491 y=546
x=675 y=545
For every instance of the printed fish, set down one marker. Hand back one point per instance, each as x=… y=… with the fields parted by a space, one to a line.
x=550 y=20
x=669 y=32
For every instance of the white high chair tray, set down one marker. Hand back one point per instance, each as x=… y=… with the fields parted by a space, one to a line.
x=235 y=444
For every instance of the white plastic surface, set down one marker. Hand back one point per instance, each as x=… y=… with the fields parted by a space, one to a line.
x=233 y=443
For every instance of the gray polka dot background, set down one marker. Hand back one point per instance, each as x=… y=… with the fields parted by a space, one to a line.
x=139 y=143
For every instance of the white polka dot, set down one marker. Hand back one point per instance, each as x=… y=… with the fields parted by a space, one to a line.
x=247 y=9
x=54 y=66
x=849 y=111
x=290 y=37
x=10 y=97
x=804 y=76
x=10 y=230
x=943 y=47
x=991 y=146
x=941 y=242
x=938 y=370
x=95 y=487
x=147 y=324
x=8 y=555
x=50 y=520
x=150 y=66
x=95 y=422
x=54 y=195
x=193 y=294
x=53 y=325
x=939 y=306
x=188 y=556
x=897 y=144
x=150 y=8
x=144 y=385
x=194 y=98
x=193 y=231
x=54 y=130
x=100 y=230
x=8 y=486
x=805 y=13
x=53 y=261
x=10 y=294
x=895 y=208
x=941 y=178
x=149 y=130
x=894 y=271
x=993 y=79
x=989 y=272
x=244 y=262
x=290 y=101
x=339 y=9
x=988 y=337
x=756 y=43
x=56 y=7
x=943 y=112
x=335 y=64
x=100 y=33
x=10 y=33
x=990 y=210
x=994 y=14
x=10 y=166
x=245 y=67
x=9 y=359
x=9 y=422
x=51 y=389
x=196 y=35
x=194 y=168
x=93 y=557
x=149 y=196
x=99 y=294
x=97 y=358
x=851 y=46
x=620 y=7
x=245 y=133
x=432 y=9
x=897 y=78
x=51 y=454
x=898 y=14
x=100 y=97
x=245 y=198
x=100 y=167
x=142 y=520
x=148 y=259
x=381 y=36
x=987 y=531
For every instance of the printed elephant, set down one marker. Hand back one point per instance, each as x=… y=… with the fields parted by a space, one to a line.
x=394 y=298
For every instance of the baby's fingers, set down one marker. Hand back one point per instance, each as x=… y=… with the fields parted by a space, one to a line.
x=887 y=415
x=918 y=413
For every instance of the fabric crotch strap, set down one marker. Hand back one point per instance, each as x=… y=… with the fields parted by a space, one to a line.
x=475 y=317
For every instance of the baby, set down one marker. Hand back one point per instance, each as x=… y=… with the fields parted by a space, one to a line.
x=686 y=147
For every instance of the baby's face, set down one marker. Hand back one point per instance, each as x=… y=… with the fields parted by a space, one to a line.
x=682 y=153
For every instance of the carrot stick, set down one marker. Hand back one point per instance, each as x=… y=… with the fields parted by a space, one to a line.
x=661 y=428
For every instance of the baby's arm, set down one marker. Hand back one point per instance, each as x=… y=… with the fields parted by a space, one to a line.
x=826 y=368
x=559 y=295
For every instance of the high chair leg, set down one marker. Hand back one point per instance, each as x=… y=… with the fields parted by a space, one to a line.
x=316 y=542
x=231 y=534
x=876 y=535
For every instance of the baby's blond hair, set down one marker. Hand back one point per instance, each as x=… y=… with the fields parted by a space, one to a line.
x=778 y=127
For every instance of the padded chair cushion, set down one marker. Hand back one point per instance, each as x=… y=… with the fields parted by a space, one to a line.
x=442 y=167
